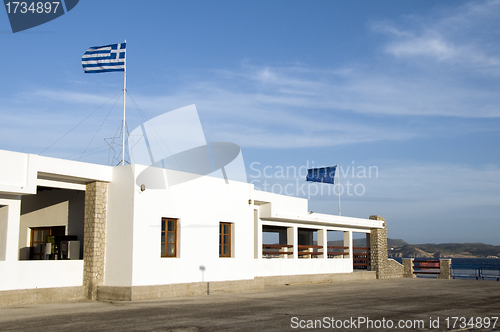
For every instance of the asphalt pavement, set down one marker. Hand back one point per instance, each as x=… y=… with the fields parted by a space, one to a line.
x=371 y=305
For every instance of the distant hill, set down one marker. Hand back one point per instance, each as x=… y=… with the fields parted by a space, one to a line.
x=362 y=243
x=399 y=248
x=355 y=243
x=396 y=243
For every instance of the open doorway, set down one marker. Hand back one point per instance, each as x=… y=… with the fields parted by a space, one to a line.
x=53 y=215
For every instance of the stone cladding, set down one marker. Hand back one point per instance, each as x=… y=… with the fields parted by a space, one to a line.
x=379 y=262
x=96 y=196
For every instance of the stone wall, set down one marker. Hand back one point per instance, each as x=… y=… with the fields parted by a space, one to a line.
x=393 y=269
x=20 y=297
x=408 y=268
x=94 y=239
x=134 y=293
x=444 y=269
x=379 y=261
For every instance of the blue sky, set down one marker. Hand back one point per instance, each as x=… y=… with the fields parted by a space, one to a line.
x=411 y=88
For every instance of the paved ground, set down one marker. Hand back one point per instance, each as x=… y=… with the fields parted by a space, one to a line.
x=406 y=301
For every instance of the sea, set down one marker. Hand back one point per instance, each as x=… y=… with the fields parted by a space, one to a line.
x=472 y=268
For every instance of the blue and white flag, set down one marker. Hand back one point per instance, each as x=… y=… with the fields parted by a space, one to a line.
x=101 y=59
x=322 y=174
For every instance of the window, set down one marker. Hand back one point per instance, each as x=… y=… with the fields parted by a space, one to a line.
x=39 y=239
x=168 y=237
x=37 y=245
x=224 y=239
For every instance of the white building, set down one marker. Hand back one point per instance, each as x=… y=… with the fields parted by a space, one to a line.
x=138 y=240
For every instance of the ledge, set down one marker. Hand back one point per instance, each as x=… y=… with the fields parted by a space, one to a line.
x=323 y=219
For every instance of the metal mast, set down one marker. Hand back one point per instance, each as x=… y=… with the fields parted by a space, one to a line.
x=124 y=99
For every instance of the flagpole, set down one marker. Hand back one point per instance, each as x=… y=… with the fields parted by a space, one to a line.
x=338 y=186
x=124 y=92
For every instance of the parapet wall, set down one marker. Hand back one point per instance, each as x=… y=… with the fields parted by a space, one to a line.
x=135 y=293
x=443 y=273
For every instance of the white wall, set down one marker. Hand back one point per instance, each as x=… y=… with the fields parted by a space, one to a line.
x=74 y=171
x=17 y=172
x=277 y=266
x=18 y=176
x=133 y=243
x=200 y=205
x=41 y=274
x=119 y=228
x=281 y=203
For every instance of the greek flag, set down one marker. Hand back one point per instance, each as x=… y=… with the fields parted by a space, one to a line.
x=322 y=174
x=101 y=59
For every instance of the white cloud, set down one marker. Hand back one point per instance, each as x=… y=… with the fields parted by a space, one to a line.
x=430 y=46
x=432 y=184
x=431 y=201
x=465 y=36
x=287 y=107
x=301 y=105
x=72 y=97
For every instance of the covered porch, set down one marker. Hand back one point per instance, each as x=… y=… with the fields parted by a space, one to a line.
x=310 y=243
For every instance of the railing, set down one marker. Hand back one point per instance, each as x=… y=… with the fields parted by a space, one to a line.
x=332 y=254
x=479 y=271
x=426 y=267
x=309 y=251
x=361 y=258
x=361 y=255
x=418 y=267
x=276 y=250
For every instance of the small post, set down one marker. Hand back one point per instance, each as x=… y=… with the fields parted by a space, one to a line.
x=408 y=268
x=338 y=186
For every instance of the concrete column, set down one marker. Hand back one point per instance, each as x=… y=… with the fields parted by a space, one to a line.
x=258 y=235
x=4 y=221
x=348 y=243
x=368 y=246
x=378 y=248
x=94 y=238
x=444 y=269
x=408 y=268
x=9 y=229
x=284 y=238
x=323 y=241
x=368 y=240
x=292 y=238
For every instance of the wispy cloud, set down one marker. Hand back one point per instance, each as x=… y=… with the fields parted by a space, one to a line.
x=457 y=185
x=424 y=46
x=441 y=66
x=416 y=199
x=459 y=199
x=293 y=106
x=465 y=36
x=71 y=97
